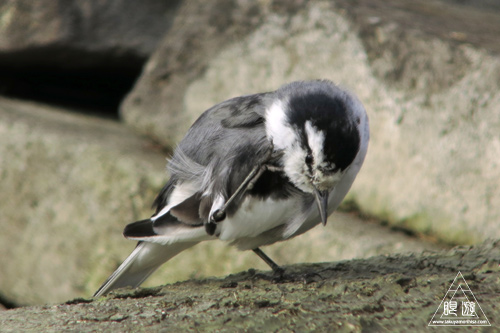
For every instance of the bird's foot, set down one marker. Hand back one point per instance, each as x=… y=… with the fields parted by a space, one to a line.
x=278 y=274
x=218 y=216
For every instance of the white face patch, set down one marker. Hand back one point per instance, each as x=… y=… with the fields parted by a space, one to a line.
x=315 y=139
x=318 y=176
x=296 y=168
x=277 y=128
x=285 y=137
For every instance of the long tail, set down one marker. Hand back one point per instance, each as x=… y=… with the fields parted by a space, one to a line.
x=140 y=264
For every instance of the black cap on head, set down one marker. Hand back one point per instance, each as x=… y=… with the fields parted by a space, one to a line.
x=326 y=109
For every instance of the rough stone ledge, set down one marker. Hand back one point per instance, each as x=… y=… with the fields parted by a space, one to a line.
x=397 y=292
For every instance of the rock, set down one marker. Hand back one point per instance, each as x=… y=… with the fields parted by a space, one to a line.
x=75 y=34
x=70 y=183
x=436 y=137
x=426 y=72
x=382 y=293
x=84 y=54
x=199 y=31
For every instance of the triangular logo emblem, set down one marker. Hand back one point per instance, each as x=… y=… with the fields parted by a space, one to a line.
x=459 y=307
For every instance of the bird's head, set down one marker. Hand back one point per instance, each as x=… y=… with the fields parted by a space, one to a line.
x=317 y=127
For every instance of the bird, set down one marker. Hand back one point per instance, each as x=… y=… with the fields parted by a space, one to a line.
x=252 y=171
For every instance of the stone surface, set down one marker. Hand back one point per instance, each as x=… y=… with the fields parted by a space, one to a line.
x=70 y=183
x=427 y=71
x=69 y=34
x=382 y=293
x=199 y=31
x=83 y=54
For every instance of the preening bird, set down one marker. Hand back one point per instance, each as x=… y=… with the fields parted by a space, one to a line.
x=252 y=171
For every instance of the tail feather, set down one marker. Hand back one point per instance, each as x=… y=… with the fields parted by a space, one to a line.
x=140 y=264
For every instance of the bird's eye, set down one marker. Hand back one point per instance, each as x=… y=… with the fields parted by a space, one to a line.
x=309 y=159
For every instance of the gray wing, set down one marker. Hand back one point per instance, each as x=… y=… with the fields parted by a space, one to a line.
x=218 y=152
x=213 y=159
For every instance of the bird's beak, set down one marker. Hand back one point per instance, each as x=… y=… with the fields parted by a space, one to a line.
x=322 y=201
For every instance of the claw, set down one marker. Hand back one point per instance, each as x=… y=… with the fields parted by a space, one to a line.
x=218 y=216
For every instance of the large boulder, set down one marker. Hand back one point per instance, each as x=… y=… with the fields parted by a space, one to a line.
x=81 y=34
x=79 y=53
x=426 y=72
x=69 y=184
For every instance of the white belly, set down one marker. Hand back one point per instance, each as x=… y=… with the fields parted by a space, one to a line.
x=256 y=216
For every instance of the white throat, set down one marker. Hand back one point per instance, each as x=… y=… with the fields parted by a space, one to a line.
x=277 y=129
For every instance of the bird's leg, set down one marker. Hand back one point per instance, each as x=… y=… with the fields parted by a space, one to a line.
x=220 y=214
x=274 y=266
x=263 y=168
x=247 y=184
